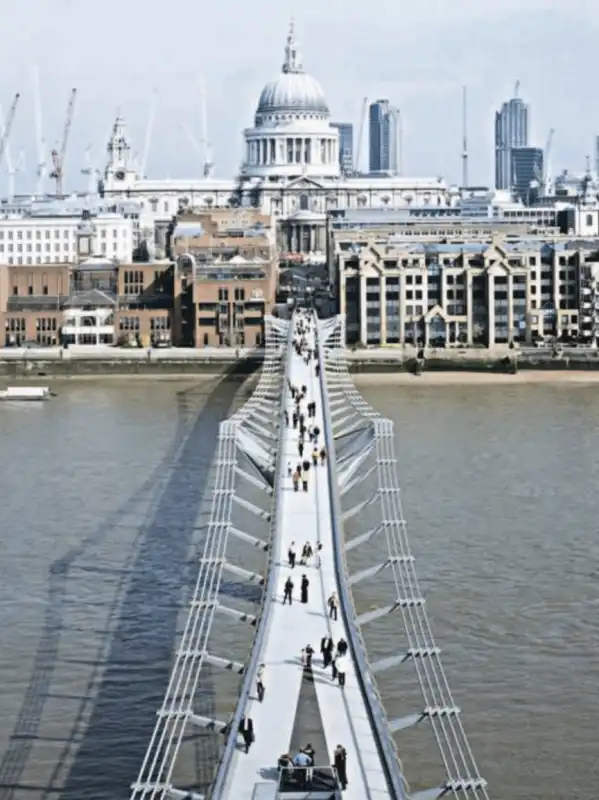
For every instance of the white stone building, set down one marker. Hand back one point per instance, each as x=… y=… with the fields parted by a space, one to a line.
x=54 y=233
x=290 y=169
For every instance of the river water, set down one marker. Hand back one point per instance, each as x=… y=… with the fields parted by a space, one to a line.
x=101 y=494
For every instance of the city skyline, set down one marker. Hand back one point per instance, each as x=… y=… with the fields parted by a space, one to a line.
x=120 y=69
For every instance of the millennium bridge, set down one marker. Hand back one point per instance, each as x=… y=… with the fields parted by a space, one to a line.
x=256 y=448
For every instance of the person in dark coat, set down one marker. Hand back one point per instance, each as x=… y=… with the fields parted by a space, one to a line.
x=340 y=764
x=326 y=649
x=246 y=729
x=288 y=592
x=304 y=589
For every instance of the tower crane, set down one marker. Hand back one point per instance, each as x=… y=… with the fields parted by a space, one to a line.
x=546 y=157
x=361 y=134
x=5 y=128
x=58 y=156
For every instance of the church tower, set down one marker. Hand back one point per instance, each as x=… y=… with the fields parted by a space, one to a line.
x=119 y=173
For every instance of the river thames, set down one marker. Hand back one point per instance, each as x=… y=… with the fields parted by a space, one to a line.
x=101 y=494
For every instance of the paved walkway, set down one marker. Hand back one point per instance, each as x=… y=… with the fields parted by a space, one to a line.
x=334 y=715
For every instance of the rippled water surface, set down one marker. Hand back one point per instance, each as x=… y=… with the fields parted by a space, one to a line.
x=101 y=491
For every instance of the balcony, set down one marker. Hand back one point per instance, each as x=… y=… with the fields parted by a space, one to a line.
x=40 y=302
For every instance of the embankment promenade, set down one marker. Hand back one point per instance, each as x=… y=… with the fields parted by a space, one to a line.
x=384 y=364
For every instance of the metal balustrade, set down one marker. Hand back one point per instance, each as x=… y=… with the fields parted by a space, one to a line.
x=365 y=446
x=246 y=451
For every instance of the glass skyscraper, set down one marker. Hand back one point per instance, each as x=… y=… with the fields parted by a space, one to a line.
x=527 y=168
x=384 y=130
x=346 y=146
x=511 y=130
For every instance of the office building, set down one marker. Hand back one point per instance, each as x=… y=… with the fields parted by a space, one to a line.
x=384 y=131
x=346 y=146
x=511 y=130
x=528 y=173
x=487 y=291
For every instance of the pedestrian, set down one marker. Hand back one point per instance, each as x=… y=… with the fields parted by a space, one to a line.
x=316 y=433
x=307 y=553
x=289 y=469
x=286 y=418
x=300 y=448
x=341 y=664
x=287 y=592
x=315 y=456
x=246 y=729
x=334 y=667
x=305 y=481
x=292 y=555
x=309 y=653
x=317 y=370
x=294 y=420
x=296 y=480
x=340 y=764
x=260 y=683
x=333 y=603
x=326 y=650
x=303 y=657
x=310 y=752
x=341 y=647
x=306 y=465
x=323 y=456
x=304 y=589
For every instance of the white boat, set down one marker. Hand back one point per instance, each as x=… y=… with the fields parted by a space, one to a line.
x=25 y=393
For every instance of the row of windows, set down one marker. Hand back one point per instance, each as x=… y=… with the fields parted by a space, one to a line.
x=162 y=323
x=48 y=234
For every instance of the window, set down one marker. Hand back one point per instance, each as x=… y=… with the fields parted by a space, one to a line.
x=240 y=294
x=223 y=294
x=129 y=323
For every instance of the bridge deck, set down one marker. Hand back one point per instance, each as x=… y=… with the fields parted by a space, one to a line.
x=306 y=517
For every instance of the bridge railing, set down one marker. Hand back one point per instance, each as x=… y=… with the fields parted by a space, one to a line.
x=263 y=621
x=364 y=445
x=246 y=453
x=384 y=739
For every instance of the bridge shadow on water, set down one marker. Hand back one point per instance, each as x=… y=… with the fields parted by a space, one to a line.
x=127 y=684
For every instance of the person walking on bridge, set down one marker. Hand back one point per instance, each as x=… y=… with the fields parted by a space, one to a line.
x=333 y=603
x=304 y=589
x=342 y=663
x=291 y=555
x=260 y=683
x=287 y=593
x=340 y=764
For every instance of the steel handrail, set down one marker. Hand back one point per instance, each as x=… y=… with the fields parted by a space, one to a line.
x=383 y=738
x=264 y=620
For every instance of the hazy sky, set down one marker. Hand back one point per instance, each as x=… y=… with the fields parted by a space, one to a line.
x=418 y=54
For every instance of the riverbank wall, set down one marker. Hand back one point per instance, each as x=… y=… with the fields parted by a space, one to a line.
x=25 y=365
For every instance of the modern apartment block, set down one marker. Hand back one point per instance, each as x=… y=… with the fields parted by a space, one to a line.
x=493 y=290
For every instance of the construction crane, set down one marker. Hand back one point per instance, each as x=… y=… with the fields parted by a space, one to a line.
x=208 y=155
x=148 y=138
x=58 y=156
x=546 y=161
x=361 y=135
x=517 y=89
x=42 y=150
x=7 y=126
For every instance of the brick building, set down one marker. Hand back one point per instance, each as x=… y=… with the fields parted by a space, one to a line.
x=226 y=267
x=32 y=299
